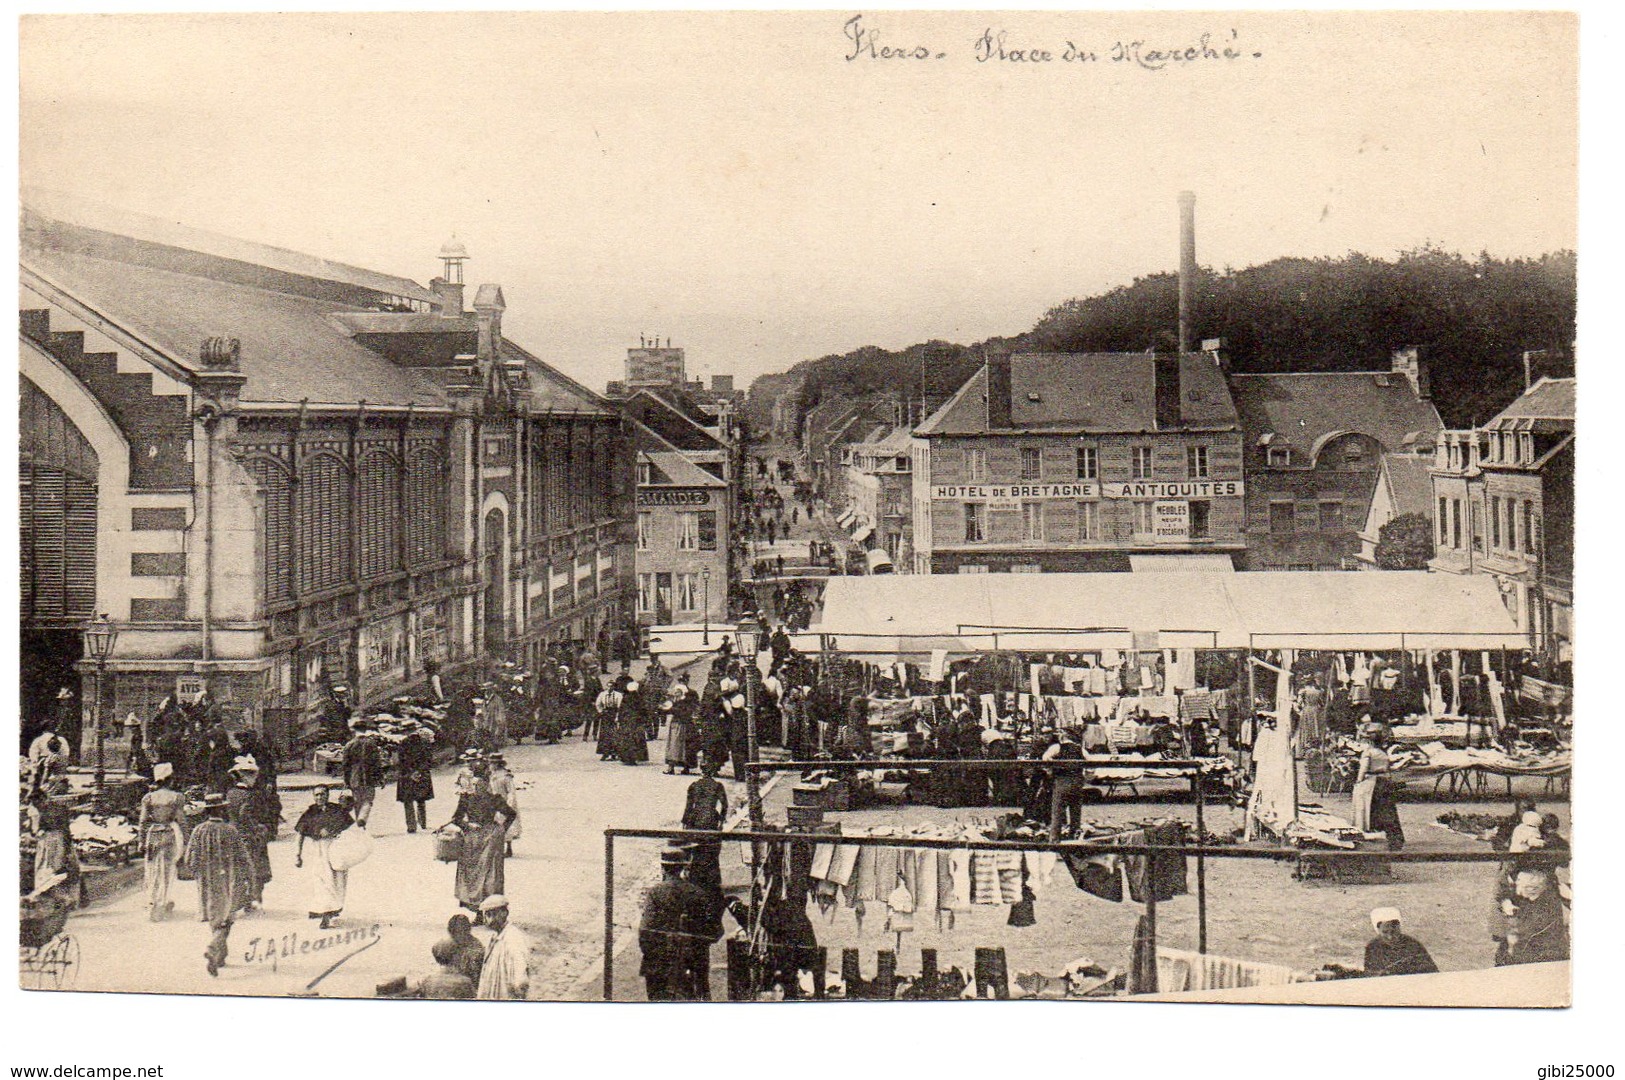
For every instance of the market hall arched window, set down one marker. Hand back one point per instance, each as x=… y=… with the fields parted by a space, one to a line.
x=425 y=506
x=379 y=525
x=323 y=515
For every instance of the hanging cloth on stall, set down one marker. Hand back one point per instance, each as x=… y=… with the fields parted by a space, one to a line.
x=1180 y=665
x=1273 y=804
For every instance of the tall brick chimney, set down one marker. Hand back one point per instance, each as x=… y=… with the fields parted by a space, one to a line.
x=1187 y=270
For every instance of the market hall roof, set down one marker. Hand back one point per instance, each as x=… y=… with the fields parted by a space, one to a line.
x=310 y=331
x=1305 y=409
x=1088 y=392
x=291 y=351
x=896 y=614
x=45 y=209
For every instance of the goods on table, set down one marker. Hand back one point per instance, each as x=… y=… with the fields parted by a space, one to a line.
x=103 y=839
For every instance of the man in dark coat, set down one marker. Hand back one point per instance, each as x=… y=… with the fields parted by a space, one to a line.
x=414 y=783
x=668 y=936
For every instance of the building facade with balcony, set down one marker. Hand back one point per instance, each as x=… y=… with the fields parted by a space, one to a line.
x=1049 y=462
x=277 y=474
x=1503 y=505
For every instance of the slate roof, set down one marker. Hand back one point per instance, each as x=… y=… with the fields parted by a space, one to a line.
x=291 y=350
x=294 y=348
x=1548 y=399
x=1410 y=483
x=677 y=471
x=88 y=214
x=1088 y=392
x=1304 y=408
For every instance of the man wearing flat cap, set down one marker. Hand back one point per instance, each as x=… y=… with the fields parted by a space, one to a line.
x=506 y=974
x=159 y=827
x=1394 y=953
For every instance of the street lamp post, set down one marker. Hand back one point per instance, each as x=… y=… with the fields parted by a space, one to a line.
x=100 y=636
x=705 y=576
x=747 y=635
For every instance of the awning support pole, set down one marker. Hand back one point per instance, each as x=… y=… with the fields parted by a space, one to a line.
x=609 y=916
x=1201 y=868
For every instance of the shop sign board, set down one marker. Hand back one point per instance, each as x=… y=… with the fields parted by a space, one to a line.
x=673 y=497
x=1016 y=493
x=1174 y=489
x=1171 y=520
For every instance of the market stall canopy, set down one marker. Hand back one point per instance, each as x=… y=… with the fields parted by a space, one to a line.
x=1168 y=564
x=913 y=614
x=1388 y=609
x=906 y=614
x=862 y=533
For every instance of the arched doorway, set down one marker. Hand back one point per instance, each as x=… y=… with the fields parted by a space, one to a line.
x=58 y=514
x=496 y=583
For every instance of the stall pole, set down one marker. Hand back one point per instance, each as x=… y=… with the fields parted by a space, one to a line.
x=609 y=916
x=1201 y=867
x=1151 y=921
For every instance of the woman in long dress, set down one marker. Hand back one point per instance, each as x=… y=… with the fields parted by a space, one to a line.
x=483 y=818
x=319 y=824
x=682 y=741
x=631 y=730
x=1375 y=808
x=502 y=786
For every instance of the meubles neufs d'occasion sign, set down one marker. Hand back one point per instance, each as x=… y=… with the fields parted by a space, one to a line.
x=1081 y=489
x=1174 y=489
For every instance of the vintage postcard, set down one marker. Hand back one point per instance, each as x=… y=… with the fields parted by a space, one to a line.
x=865 y=505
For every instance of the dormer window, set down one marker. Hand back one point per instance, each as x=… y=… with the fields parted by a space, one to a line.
x=1280 y=457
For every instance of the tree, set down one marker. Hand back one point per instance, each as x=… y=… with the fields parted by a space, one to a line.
x=1405 y=543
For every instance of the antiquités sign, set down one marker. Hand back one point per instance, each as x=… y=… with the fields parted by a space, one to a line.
x=1173 y=489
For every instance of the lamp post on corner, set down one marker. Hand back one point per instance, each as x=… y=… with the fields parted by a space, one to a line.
x=747 y=636
x=100 y=637
x=705 y=576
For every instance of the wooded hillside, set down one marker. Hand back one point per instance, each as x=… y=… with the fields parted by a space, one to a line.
x=1474 y=317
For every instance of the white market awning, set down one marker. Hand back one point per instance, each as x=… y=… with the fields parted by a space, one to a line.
x=1162 y=564
x=863 y=532
x=910 y=614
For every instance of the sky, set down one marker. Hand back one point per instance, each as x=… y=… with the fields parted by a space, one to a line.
x=737 y=183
